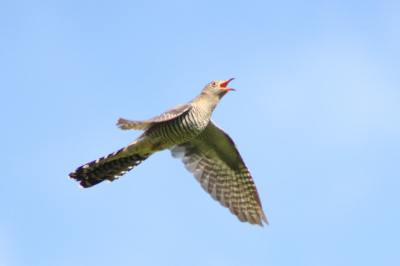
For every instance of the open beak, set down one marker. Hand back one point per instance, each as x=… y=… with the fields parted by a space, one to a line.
x=224 y=84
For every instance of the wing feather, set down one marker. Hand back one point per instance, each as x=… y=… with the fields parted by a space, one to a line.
x=170 y=114
x=215 y=162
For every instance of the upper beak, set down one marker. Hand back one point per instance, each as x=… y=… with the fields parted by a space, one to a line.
x=224 y=84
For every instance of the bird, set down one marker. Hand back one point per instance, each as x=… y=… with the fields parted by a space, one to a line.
x=207 y=151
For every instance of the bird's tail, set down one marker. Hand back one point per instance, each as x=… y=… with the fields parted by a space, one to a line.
x=109 y=167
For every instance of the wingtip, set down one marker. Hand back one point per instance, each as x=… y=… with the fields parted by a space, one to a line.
x=265 y=220
x=120 y=123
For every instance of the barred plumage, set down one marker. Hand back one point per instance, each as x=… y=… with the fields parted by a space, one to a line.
x=99 y=170
x=206 y=151
x=225 y=178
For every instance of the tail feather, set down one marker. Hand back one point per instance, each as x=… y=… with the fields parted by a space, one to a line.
x=109 y=167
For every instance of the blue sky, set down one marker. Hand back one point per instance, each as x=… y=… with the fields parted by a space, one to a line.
x=315 y=115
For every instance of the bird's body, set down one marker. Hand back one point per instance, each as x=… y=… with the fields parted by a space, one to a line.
x=206 y=150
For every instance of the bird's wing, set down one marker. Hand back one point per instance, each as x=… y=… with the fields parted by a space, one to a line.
x=215 y=162
x=146 y=124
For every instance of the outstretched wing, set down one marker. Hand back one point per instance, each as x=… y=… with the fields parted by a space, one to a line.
x=216 y=164
x=146 y=124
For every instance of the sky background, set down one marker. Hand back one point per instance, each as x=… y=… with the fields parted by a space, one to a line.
x=315 y=116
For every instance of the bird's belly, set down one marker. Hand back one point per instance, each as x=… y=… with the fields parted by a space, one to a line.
x=174 y=132
x=161 y=137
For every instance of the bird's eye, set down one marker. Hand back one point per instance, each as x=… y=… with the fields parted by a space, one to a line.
x=214 y=84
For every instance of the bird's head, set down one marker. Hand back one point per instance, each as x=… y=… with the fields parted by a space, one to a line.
x=218 y=87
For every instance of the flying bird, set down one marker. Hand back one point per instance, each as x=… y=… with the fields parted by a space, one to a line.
x=207 y=151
